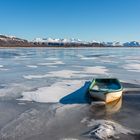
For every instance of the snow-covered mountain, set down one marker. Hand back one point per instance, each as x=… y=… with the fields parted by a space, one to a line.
x=114 y=43
x=132 y=44
x=14 y=41
x=52 y=40
x=74 y=41
x=78 y=41
x=11 y=38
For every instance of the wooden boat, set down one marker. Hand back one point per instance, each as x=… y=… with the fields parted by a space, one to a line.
x=106 y=89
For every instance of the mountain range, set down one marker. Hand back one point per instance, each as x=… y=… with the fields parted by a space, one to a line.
x=12 y=41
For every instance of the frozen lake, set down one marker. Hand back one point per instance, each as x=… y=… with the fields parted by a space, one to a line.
x=43 y=94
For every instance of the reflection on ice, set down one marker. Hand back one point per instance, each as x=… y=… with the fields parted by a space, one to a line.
x=106 y=109
x=114 y=107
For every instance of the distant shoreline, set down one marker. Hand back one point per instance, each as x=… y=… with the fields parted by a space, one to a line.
x=60 y=47
x=14 y=42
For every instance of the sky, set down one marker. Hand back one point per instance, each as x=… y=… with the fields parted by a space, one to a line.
x=101 y=20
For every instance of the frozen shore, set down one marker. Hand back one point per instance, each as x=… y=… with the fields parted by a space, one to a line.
x=43 y=94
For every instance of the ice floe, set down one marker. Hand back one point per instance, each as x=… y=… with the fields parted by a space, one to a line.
x=68 y=139
x=60 y=74
x=29 y=77
x=70 y=73
x=135 y=67
x=51 y=63
x=31 y=66
x=86 y=58
x=105 y=129
x=52 y=58
x=96 y=70
x=64 y=73
x=2 y=68
x=54 y=92
x=13 y=90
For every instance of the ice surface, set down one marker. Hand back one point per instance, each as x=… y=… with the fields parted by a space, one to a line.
x=27 y=124
x=64 y=86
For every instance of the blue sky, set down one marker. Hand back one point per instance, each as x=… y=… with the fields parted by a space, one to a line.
x=103 y=20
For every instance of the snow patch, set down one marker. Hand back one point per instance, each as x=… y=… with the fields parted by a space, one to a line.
x=54 y=92
x=2 y=69
x=64 y=73
x=31 y=66
x=96 y=70
x=132 y=67
x=60 y=74
x=13 y=90
x=51 y=63
x=69 y=139
x=86 y=58
x=52 y=58
x=29 y=77
x=105 y=129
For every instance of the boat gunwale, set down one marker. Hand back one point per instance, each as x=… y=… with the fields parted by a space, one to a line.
x=107 y=91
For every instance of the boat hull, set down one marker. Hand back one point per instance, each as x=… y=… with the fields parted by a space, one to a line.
x=106 y=97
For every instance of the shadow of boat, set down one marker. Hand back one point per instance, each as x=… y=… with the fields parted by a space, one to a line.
x=79 y=96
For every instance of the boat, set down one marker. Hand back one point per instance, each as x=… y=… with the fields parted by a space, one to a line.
x=106 y=89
